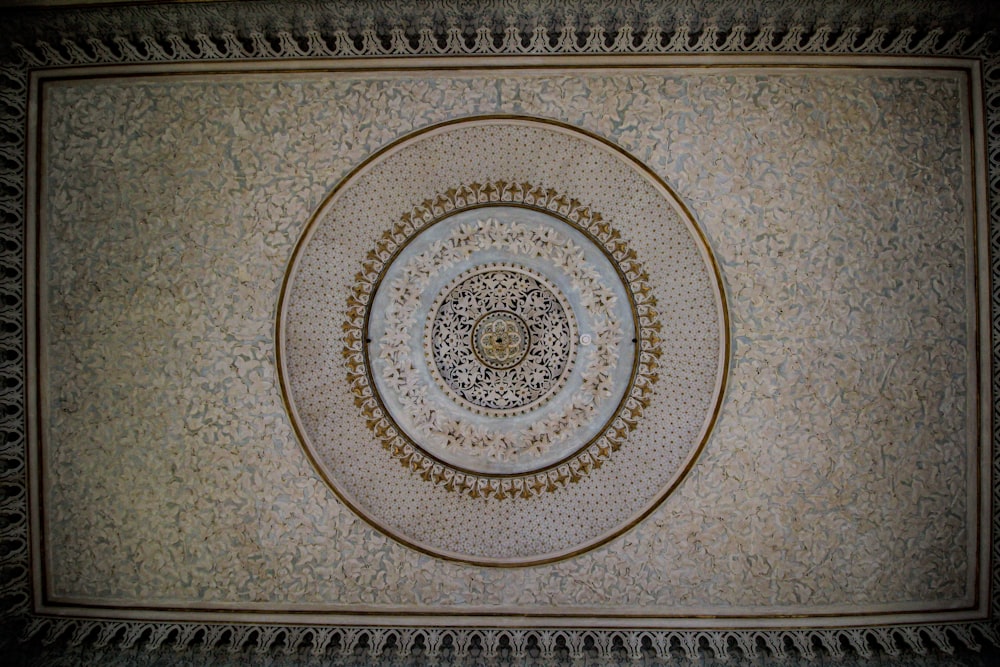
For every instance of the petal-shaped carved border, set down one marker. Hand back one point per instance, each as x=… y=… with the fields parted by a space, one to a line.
x=613 y=434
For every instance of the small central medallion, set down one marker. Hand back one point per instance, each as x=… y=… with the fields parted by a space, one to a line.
x=501 y=339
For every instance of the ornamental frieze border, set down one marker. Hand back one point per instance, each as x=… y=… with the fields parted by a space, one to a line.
x=153 y=36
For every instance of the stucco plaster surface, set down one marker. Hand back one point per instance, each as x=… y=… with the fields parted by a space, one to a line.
x=837 y=205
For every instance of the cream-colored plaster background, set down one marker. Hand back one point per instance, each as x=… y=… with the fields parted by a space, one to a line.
x=836 y=202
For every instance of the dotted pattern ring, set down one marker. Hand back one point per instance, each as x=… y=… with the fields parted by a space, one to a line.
x=519 y=505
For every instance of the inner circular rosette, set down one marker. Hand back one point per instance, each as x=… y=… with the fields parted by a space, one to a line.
x=535 y=329
x=502 y=338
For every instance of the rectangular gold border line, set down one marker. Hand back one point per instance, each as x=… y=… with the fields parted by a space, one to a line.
x=32 y=263
x=41 y=361
x=840 y=610
x=472 y=66
x=555 y=619
x=973 y=363
x=472 y=63
x=41 y=336
x=984 y=346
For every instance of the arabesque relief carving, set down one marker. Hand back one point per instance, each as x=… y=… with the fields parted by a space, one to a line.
x=528 y=308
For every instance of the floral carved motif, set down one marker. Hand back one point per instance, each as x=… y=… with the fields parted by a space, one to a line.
x=501 y=338
x=537 y=344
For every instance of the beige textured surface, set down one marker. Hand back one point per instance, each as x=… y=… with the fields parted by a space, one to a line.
x=836 y=203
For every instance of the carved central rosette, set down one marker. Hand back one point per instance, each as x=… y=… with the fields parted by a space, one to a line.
x=502 y=339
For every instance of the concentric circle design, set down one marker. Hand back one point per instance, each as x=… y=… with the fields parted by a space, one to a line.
x=531 y=351
x=433 y=385
x=502 y=338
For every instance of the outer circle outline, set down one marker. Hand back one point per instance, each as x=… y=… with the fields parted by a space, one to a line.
x=725 y=333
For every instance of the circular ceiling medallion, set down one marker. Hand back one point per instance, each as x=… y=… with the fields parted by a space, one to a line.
x=536 y=332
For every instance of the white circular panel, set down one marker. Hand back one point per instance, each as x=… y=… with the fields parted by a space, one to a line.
x=527 y=353
x=521 y=400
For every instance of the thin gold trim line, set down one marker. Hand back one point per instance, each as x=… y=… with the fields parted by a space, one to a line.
x=472 y=65
x=395 y=611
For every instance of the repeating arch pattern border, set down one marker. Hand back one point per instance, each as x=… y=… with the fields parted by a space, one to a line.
x=455 y=37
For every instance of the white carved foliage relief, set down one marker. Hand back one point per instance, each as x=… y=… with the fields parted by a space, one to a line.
x=833 y=202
